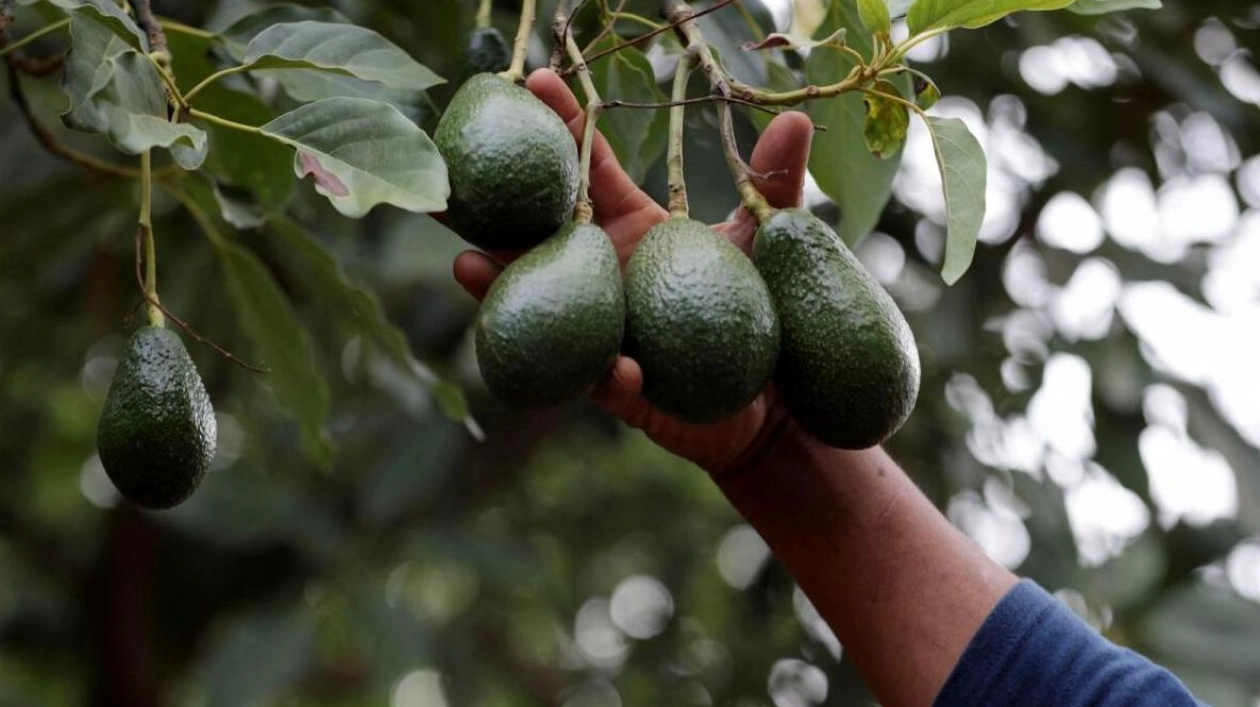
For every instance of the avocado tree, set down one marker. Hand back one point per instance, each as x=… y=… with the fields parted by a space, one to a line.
x=257 y=179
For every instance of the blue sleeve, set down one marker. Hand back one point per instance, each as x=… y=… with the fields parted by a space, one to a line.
x=1032 y=651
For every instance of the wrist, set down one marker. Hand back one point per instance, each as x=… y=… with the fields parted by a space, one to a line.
x=777 y=433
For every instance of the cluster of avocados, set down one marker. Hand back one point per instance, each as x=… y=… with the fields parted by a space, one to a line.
x=710 y=327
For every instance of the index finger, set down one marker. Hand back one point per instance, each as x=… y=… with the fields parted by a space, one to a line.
x=613 y=193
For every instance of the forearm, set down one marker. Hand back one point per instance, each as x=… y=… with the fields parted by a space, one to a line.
x=902 y=588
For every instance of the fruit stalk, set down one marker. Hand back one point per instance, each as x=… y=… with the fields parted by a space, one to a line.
x=682 y=14
x=156 y=318
x=584 y=211
x=483 y=14
x=677 y=115
x=516 y=71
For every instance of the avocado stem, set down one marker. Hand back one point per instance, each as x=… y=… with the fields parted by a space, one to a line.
x=681 y=13
x=516 y=71
x=156 y=318
x=584 y=211
x=678 y=207
x=483 y=14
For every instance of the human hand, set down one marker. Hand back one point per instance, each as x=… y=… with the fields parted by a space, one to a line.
x=626 y=213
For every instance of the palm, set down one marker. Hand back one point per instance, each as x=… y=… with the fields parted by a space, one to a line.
x=626 y=213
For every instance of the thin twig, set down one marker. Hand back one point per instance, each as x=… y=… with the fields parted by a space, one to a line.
x=618 y=103
x=584 y=210
x=152 y=300
x=645 y=37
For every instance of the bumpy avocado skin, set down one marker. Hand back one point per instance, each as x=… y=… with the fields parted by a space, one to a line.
x=551 y=325
x=700 y=322
x=487 y=51
x=513 y=165
x=157 y=431
x=848 y=367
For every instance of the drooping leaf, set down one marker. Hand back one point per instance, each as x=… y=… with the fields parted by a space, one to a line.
x=361 y=153
x=87 y=67
x=963 y=176
x=860 y=183
x=887 y=121
x=106 y=13
x=787 y=40
x=875 y=16
x=927 y=15
x=278 y=338
x=926 y=92
x=133 y=106
x=637 y=136
x=1102 y=7
x=354 y=311
x=338 y=48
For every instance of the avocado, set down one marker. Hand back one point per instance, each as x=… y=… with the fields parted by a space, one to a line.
x=551 y=325
x=487 y=51
x=157 y=432
x=513 y=165
x=848 y=368
x=700 y=322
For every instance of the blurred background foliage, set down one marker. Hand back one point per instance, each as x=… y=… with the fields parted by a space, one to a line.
x=1090 y=411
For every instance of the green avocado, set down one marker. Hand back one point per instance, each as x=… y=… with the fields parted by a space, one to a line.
x=700 y=322
x=848 y=368
x=551 y=325
x=157 y=432
x=513 y=165
x=487 y=51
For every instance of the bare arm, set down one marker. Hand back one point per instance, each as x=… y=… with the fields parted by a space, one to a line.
x=903 y=589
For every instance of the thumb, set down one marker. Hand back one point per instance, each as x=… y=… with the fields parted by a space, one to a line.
x=780 y=162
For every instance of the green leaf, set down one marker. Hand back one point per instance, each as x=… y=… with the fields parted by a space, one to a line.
x=926 y=92
x=237 y=36
x=963 y=176
x=282 y=343
x=887 y=121
x=240 y=161
x=338 y=48
x=928 y=15
x=1102 y=7
x=860 y=183
x=133 y=105
x=875 y=16
x=106 y=13
x=637 y=136
x=87 y=70
x=354 y=311
x=309 y=85
x=362 y=153
x=278 y=338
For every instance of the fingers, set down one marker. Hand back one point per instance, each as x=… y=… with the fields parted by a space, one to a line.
x=614 y=194
x=475 y=272
x=782 y=154
x=782 y=157
x=621 y=393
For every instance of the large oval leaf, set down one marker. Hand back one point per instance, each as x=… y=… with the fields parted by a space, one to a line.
x=237 y=36
x=637 y=136
x=339 y=48
x=362 y=153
